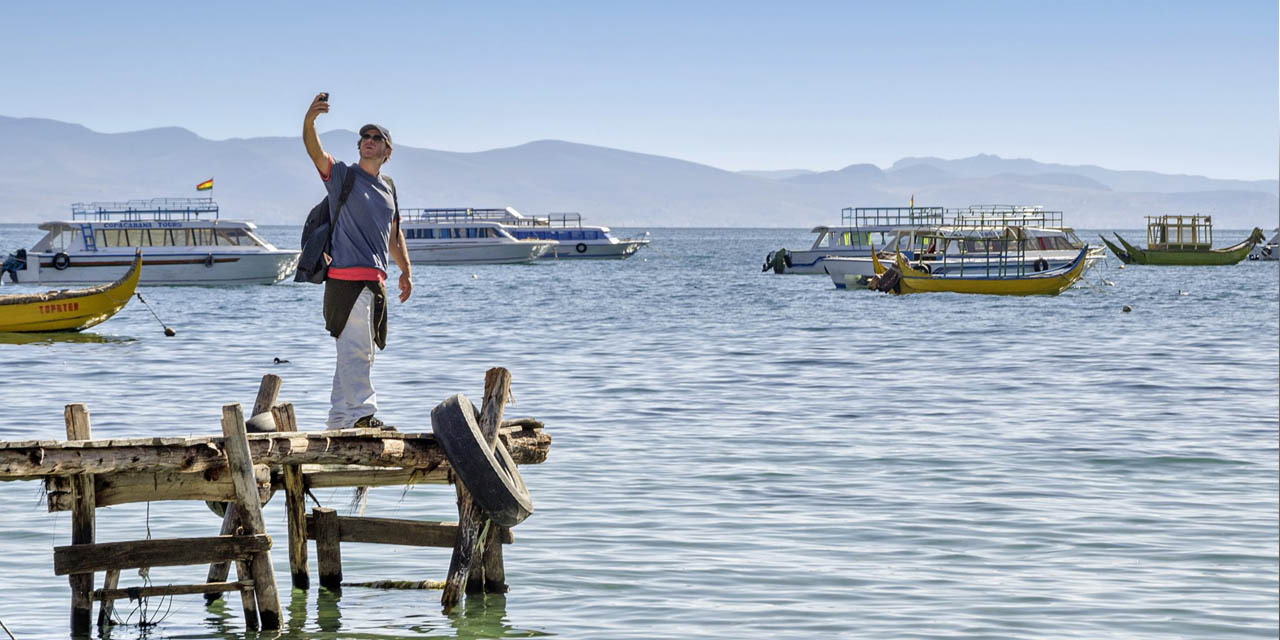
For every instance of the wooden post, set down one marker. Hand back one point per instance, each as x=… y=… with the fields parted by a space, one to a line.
x=82 y=523
x=295 y=504
x=218 y=571
x=268 y=391
x=465 y=569
x=248 y=597
x=110 y=581
x=240 y=461
x=328 y=548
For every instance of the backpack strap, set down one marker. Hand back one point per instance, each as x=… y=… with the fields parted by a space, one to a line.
x=394 y=200
x=347 y=182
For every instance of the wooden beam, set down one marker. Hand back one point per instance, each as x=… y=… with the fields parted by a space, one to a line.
x=466 y=566
x=328 y=551
x=295 y=504
x=368 y=447
x=82 y=524
x=414 y=533
x=168 y=552
x=240 y=459
x=107 y=595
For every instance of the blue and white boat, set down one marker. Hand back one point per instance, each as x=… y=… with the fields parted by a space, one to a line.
x=564 y=233
x=861 y=228
x=460 y=236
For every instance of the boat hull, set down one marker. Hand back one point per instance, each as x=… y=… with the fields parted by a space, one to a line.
x=68 y=310
x=588 y=250
x=1051 y=282
x=853 y=272
x=480 y=253
x=1190 y=258
x=159 y=268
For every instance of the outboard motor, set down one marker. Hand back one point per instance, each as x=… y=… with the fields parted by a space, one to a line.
x=887 y=281
x=777 y=260
x=14 y=263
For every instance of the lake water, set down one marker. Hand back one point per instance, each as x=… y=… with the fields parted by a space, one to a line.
x=736 y=454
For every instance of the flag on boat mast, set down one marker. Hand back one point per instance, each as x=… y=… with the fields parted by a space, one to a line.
x=912 y=204
x=207 y=185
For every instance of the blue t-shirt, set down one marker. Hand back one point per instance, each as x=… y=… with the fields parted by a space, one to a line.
x=364 y=224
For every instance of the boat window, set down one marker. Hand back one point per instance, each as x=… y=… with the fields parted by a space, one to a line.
x=472 y=232
x=235 y=237
x=446 y=233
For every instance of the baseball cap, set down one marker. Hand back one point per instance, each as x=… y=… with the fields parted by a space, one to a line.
x=386 y=135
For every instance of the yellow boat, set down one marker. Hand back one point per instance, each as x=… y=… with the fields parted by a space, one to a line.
x=68 y=309
x=1050 y=282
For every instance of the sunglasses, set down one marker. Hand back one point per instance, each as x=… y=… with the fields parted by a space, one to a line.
x=376 y=137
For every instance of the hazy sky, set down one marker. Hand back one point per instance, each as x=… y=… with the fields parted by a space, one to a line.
x=1169 y=86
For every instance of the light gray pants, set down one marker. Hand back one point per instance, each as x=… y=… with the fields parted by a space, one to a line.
x=353 y=397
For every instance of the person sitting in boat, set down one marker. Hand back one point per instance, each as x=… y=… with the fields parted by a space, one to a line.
x=13 y=264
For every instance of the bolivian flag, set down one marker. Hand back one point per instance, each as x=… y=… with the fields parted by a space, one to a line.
x=205 y=186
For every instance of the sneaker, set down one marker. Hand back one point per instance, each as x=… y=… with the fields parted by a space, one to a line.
x=370 y=422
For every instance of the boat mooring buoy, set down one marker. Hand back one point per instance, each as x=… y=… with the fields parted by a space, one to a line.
x=169 y=333
x=1126 y=308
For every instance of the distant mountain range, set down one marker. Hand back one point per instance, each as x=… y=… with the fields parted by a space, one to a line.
x=270 y=180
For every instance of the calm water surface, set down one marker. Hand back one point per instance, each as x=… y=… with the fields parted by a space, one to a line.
x=736 y=455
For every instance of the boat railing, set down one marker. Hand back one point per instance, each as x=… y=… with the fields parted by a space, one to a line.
x=172 y=209
x=456 y=215
x=564 y=220
x=1175 y=232
x=982 y=254
x=891 y=216
x=1004 y=215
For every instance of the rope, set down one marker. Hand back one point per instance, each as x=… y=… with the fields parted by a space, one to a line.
x=6 y=630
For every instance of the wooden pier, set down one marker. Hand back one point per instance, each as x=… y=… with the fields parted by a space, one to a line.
x=243 y=470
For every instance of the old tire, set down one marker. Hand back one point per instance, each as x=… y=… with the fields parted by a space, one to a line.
x=582 y=247
x=61 y=260
x=489 y=474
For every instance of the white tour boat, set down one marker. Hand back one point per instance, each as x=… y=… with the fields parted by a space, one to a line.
x=178 y=246
x=457 y=236
x=860 y=229
x=574 y=240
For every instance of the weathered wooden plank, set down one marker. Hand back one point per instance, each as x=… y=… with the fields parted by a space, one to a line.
x=213 y=485
x=327 y=534
x=367 y=447
x=413 y=533
x=240 y=459
x=268 y=391
x=295 y=504
x=466 y=566
x=108 y=595
x=82 y=524
x=373 y=477
x=109 y=583
x=219 y=570
x=168 y=552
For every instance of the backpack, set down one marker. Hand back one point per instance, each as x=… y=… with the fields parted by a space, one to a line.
x=317 y=236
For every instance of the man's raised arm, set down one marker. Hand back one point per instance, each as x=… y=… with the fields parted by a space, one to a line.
x=309 y=138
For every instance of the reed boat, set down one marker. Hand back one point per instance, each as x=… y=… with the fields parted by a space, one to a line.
x=1001 y=282
x=69 y=309
x=1183 y=241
